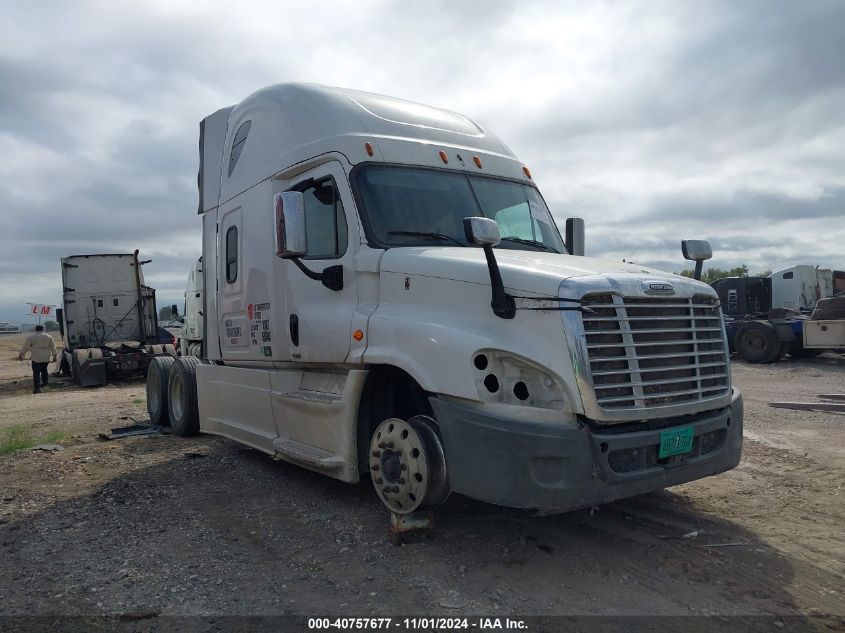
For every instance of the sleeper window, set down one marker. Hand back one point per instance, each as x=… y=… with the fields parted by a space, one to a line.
x=232 y=254
x=238 y=145
x=325 y=222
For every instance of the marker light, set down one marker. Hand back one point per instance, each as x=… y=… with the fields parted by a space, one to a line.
x=443 y=157
x=526 y=171
x=477 y=161
x=358 y=335
x=369 y=147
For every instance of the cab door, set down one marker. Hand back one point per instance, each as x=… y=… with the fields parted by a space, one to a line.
x=319 y=319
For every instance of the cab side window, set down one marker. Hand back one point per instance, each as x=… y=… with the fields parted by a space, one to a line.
x=232 y=255
x=325 y=221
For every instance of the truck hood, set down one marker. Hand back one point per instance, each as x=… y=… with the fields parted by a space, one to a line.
x=527 y=271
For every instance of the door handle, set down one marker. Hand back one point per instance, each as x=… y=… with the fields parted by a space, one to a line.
x=294 y=330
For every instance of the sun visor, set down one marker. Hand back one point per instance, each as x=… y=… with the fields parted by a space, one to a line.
x=212 y=138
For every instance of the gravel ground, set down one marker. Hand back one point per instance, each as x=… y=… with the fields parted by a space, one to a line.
x=154 y=526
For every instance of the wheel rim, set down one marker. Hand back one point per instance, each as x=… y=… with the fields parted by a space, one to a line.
x=755 y=341
x=407 y=465
x=177 y=388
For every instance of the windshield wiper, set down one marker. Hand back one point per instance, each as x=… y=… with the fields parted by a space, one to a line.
x=439 y=236
x=521 y=240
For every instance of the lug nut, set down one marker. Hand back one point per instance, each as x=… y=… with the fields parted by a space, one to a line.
x=374 y=467
x=401 y=480
x=390 y=444
x=376 y=453
x=395 y=488
x=379 y=480
x=404 y=467
x=382 y=445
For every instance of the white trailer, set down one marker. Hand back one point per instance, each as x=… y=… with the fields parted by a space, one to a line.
x=387 y=295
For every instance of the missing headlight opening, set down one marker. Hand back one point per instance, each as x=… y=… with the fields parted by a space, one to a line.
x=492 y=383
x=520 y=390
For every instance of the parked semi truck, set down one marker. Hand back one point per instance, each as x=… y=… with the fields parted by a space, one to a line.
x=761 y=329
x=108 y=318
x=386 y=295
x=189 y=340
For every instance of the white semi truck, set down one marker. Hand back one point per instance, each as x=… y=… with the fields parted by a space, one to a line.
x=108 y=319
x=386 y=295
x=189 y=341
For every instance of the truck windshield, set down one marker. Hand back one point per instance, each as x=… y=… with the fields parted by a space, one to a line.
x=409 y=206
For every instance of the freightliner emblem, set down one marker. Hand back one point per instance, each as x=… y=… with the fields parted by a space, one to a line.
x=658 y=288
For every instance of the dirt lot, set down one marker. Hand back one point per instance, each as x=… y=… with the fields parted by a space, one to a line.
x=165 y=525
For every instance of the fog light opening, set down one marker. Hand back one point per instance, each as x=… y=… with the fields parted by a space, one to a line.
x=480 y=362
x=520 y=390
x=492 y=383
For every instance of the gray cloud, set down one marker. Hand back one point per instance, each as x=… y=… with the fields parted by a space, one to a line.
x=654 y=121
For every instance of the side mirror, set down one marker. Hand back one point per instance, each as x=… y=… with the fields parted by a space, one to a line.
x=697 y=251
x=289 y=220
x=575 y=236
x=174 y=311
x=482 y=231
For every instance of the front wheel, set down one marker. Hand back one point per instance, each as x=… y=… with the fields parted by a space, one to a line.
x=407 y=464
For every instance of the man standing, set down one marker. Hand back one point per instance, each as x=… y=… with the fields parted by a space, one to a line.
x=43 y=350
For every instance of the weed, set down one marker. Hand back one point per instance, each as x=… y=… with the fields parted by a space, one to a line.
x=16 y=437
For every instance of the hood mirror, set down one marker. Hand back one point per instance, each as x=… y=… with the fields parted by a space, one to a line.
x=484 y=232
x=698 y=251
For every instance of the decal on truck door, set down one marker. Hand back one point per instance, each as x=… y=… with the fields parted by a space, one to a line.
x=260 y=332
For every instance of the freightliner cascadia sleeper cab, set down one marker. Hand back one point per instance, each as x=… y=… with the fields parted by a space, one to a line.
x=386 y=295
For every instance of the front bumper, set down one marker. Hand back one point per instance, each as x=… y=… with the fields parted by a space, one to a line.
x=539 y=466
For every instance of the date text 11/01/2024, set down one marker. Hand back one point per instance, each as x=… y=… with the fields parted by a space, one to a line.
x=423 y=623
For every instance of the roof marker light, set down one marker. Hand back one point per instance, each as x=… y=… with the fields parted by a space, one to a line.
x=358 y=335
x=443 y=157
x=369 y=147
x=477 y=161
x=526 y=171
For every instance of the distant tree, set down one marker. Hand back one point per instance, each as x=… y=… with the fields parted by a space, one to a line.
x=709 y=275
x=51 y=326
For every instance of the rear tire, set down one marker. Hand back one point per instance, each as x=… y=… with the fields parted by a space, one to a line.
x=757 y=342
x=158 y=377
x=182 y=396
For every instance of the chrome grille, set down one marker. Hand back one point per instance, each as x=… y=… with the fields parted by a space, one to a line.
x=646 y=351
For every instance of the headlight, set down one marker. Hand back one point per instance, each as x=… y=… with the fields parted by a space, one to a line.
x=508 y=379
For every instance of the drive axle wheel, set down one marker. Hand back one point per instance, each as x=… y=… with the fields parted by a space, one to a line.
x=407 y=464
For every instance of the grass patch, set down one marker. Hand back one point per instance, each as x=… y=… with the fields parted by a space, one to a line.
x=137 y=401
x=17 y=437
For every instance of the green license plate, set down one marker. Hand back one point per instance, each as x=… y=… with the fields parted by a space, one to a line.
x=675 y=442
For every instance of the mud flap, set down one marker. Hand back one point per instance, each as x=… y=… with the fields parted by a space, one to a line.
x=93 y=372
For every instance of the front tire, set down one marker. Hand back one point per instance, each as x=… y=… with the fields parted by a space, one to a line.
x=408 y=465
x=182 y=396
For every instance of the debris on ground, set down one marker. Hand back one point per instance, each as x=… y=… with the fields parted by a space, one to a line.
x=48 y=447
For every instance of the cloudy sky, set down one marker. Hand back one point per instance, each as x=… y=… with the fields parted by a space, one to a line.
x=654 y=121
